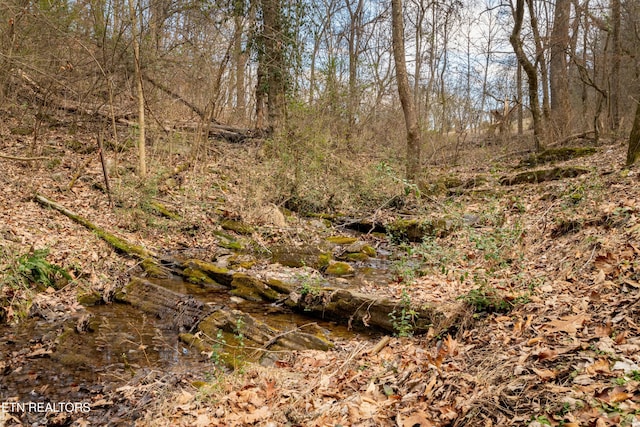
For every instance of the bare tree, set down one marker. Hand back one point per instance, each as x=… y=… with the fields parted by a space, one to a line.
x=559 y=78
x=529 y=69
x=142 y=157
x=274 y=63
x=404 y=90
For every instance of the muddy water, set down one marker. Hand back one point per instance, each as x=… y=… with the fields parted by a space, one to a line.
x=60 y=364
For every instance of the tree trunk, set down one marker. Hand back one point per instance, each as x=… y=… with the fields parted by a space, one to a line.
x=406 y=99
x=274 y=63
x=142 y=157
x=633 y=153
x=614 y=77
x=559 y=80
x=240 y=60
x=531 y=72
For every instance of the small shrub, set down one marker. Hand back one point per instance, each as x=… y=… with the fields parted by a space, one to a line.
x=486 y=299
x=404 y=321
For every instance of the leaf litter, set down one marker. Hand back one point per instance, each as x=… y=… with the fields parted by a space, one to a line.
x=565 y=353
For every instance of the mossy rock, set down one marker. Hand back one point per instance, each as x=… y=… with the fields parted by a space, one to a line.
x=89 y=299
x=342 y=240
x=227 y=241
x=361 y=247
x=21 y=130
x=543 y=175
x=439 y=185
x=324 y=259
x=237 y=226
x=338 y=268
x=476 y=181
x=219 y=274
x=200 y=278
x=252 y=289
x=162 y=210
x=356 y=256
x=556 y=155
x=153 y=269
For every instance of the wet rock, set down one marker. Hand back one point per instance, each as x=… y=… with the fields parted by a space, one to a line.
x=338 y=268
x=341 y=240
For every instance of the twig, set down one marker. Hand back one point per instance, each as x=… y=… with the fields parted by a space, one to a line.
x=22 y=159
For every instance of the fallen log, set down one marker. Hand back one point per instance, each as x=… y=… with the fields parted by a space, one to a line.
x=347 y=307
x=149 y=260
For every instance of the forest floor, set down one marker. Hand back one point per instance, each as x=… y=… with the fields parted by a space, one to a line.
x=544 y=278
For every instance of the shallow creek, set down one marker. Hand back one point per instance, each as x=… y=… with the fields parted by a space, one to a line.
x=43 y=361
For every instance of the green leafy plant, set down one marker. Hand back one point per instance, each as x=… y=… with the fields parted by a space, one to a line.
x=486 y=299
x=309 y=284
x=404 y=320
x=33 y=268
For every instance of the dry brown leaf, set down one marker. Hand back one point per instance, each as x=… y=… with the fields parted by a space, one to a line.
x=545 y=374
x=184 y=397
x=203 y=420
x=600 y=366
x=259 y=414
x=614 y=395
x=546 y=354
x=420 y=419
x=568 y=324
x=270 y=389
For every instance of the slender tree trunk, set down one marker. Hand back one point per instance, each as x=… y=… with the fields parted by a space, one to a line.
x=355 y=34
x=142 y=157
x=633 y=152
x=614 y=77
x=541 y=61
x=520 y=100
x=531 y=72
x=406 y=99
x=559 y=80
x=274 y=66
x=240 y=61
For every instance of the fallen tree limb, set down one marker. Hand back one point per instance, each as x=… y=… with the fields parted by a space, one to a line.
x=22 y=159
x=117 y=243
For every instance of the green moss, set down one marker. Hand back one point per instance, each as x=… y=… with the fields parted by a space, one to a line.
x=194 y=341
x=154 y=269
x=22 y=131
x=227 y=241
x=237 y=226
x=356 y=256
x=198 y=277
x=280 y=286
x=324 y=259
x=164 y=211
x=252 y=289
x=341 y=240
x=340 y=269
x=369 y=250
x=557 y=155
x=89 y=299
x=218 y=274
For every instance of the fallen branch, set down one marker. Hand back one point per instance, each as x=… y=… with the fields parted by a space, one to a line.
x=117 y=243
x=22 y=159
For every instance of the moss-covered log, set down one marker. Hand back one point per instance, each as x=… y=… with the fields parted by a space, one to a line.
x=556 y=155
x=359 y=310
x=149 y=258
x=543 y=175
